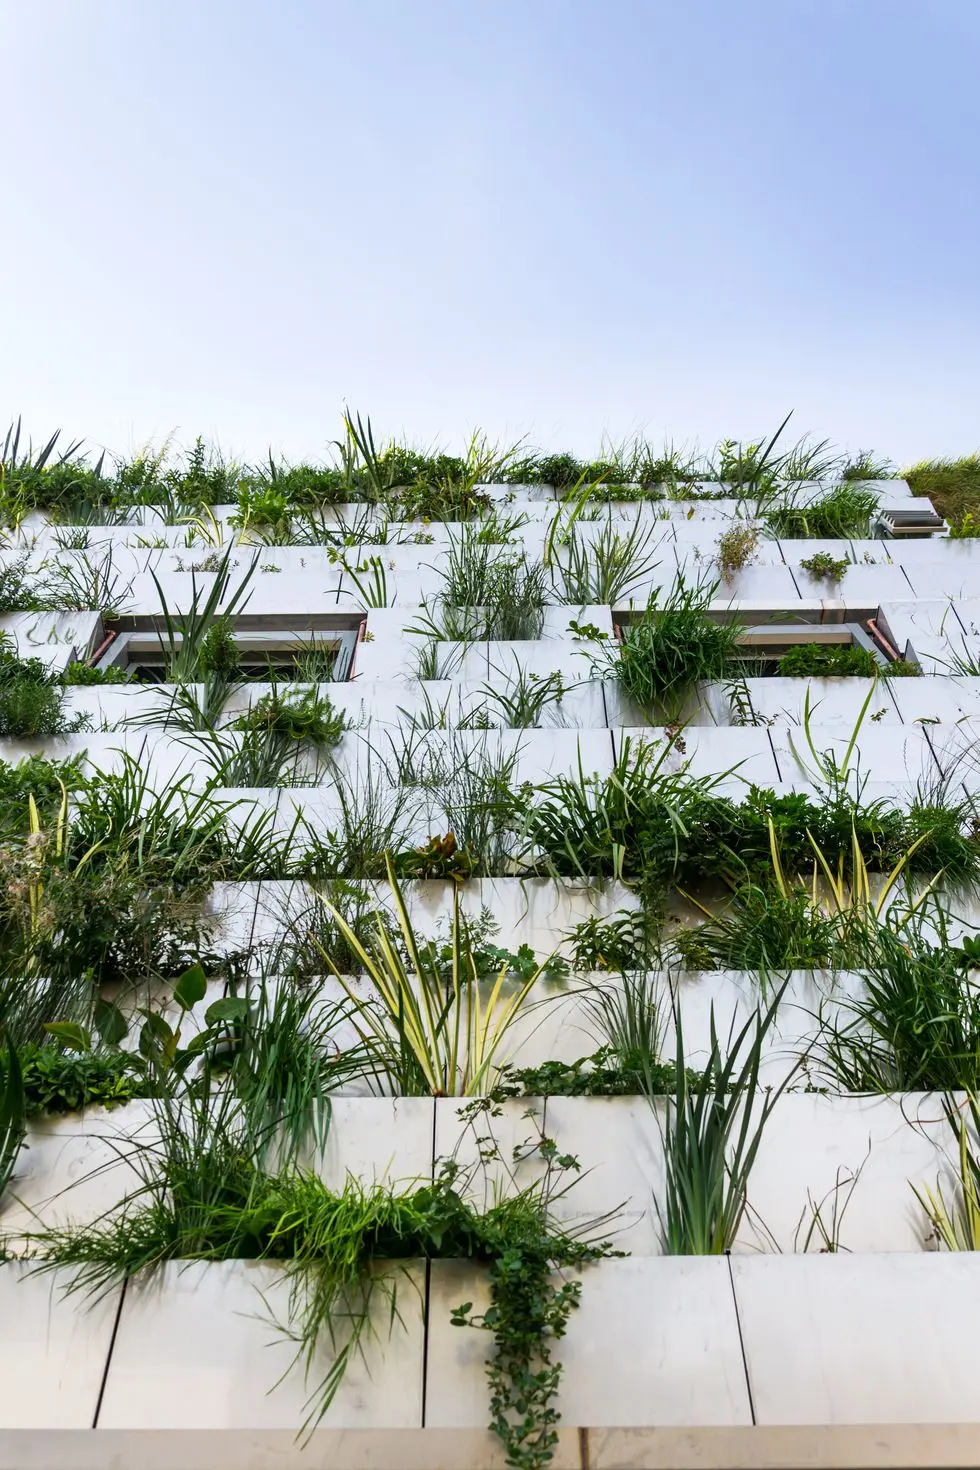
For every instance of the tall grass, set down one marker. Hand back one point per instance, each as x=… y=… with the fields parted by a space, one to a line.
x=428 y=1037
x=711 y=1136
x=670 y=649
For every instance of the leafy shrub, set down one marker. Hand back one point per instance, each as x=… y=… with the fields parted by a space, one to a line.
x=81 y=673
x=32 y=699
x=57 y=1081
x=824 y=566
x=603 y=1074
x=829 y=661
x=647 y=825
x=306 y=717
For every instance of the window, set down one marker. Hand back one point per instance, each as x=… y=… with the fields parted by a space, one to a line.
x=325 y=654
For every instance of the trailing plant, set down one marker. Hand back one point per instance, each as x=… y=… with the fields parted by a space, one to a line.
x=262 y=510
x=204 y=1194
x=966 y=528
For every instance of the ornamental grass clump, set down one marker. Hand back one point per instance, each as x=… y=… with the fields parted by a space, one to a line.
x=673 y=646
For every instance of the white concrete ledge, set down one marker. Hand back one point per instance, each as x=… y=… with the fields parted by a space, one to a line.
x=804 y=1447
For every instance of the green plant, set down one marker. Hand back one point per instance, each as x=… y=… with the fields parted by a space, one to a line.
x=261 y=509
x=602 y=1074
x=841 y=513
x=439 y=857
x=830 y=661
x=956 y=1222
x=711 y=1136
x=372 y=819
x=39 y=778
x=736 y=548
x=864 y=466
x=762 y=929
x=610 y=567
x=369 y=578
x=32 y=699
x=488 y=959
x=521 y=700
x=430 y=1038
x=305 y=717
x=81 y=673
x=966 y=527
x=914 y=1028
x=18 y=593
x=83 y=581
x=952 y=485
x=667 y=651
x=13 y=1113
x=750 y=469
x=825 y=567
x=192 y=647
x=58 y=1081
x=486 y=594
x=627 y=942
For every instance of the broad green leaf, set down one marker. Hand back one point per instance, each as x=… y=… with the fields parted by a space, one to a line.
x=110 y=1022
x=70 y=1034
x=230 y=1008
x=191 y=988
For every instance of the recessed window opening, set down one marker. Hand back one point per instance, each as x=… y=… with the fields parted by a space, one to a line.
x=266 y=657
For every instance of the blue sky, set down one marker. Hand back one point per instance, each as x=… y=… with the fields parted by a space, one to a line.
x=542 y=217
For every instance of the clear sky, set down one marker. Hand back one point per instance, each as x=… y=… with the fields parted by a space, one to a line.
x=547 y=217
